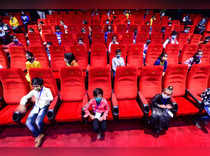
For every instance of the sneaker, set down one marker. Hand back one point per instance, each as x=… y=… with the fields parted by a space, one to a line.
x=197 y=124
x=98 y=136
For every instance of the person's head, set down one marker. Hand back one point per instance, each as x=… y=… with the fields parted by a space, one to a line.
x=41 y=22
x=118 y=53
x=148 y=42
x=198 y=55
x=170 y=23
x=129 y=22
x=187 y=29
x=107 y=21
x=37 y=83
x=167 y=92
x=29 y=56
x=109 y=28
x=80 y=41
x=69 y=57
x=98 y=94
x=61 y=22
x=15 y=40
x=163 y=57
x=57 y=28
x=31 y=30
x=173 y=34
x=48 y=44
x=114 y=38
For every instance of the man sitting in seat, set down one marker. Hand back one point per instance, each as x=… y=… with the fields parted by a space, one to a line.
x=163 y=109
x=31 y=63
x=196 y=59
x=172 y=39
x=43 y=97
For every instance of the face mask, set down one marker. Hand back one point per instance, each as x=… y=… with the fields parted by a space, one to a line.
x=165 y=96
x=118 y=56
x=107 y=22
x=98 y=100
x=173 y=37
x=199 y=57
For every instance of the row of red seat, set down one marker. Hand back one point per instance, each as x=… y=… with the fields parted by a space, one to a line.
x=129 y=99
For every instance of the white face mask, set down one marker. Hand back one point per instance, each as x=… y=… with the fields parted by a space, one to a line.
x=173 y=37
x=165 y=96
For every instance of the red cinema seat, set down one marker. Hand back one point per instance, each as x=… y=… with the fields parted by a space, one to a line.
x=100 y=77
x=98 y=56
x=125 y=93
x=51 y=38
x=114 y=47
x=157 y=38
x=195 y=39
x=142 y=37
x=173 y=53
x=187 y=52
x=49 y=82
x=34 y=27
x=153 y=52
x=150 y=84
x=15 y=87
x=176 y=76
x=205 y=48
x=127 y=38
x=17 y=57
x=183 y=39
x=121 y=28
x=197 y=80
x=81 y=55
x=34 y=39
x=3 y=59
x=57 y=59
x=72 y=94
x=135 y=55
x=98 y=38
x=41 y=55
x=21 y=38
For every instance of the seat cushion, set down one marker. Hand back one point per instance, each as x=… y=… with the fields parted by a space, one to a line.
x=6 y=115
x=129 y=109
x=185 y=107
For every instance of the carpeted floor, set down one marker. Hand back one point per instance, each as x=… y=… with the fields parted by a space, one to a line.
x=125 y=133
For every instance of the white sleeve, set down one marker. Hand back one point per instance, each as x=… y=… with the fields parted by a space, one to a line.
x=122 y=61
x=48 y=96
x=25 y=99
x=165 y=43
x=110 y=45
x=113 y=64
x=188 y=62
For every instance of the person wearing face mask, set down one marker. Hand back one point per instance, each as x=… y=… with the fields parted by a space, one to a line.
x=117 y=61
x=163 y=109
x=114 y=41
x=43 y=97
x=196 y=59
x=31 y=63
x=70 y=60
x=146 y=45
x=15 y=42
x=162 y=60
x=100 y=109
x=58 y=34
x=172 y=39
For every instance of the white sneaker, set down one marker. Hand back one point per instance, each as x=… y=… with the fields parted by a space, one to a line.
x=198 y=125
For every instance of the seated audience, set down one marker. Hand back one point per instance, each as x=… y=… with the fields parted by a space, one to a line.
x=117 y=61
x=163 y=110
x=114 y=41
x=162 y=60
x=196 y=59
x=172 y=39
x=70 y=60
x=58 y=34
x=99 y=114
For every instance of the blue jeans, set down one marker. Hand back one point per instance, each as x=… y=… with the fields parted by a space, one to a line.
x=35 y=119
x=206 y=117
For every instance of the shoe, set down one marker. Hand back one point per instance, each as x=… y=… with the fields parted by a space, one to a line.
x=156 y=133
x=197 y=124
x=102 y=136
x=98 y=136
x=38 y=140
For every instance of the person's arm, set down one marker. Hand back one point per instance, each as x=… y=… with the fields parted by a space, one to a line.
x=165 y=66
x=49 y=96
x=165 y=43
x=113 y=64
x=157 y=62
x=110 y=44
x=86 y=108
x=106 y=108
x=25 y=98
x=189 y=62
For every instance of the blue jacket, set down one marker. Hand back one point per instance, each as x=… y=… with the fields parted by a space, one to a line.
x=157 y=62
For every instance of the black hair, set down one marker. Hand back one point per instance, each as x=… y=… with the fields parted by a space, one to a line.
x=30 y=53
x=50 y=43
x=97 y=91
x=162 y=55
x=70 y=57
x=57 y=27
x=174 y=33
x=117 y=51
x=37 y=81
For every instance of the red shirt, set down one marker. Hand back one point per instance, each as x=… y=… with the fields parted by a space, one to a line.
x=103 y=107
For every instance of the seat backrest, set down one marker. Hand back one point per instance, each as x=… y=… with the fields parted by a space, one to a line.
x=18 y=59
x=197 y=78
x=173 y=52
x=47 y=76
x=150 y=82
x=188 y=51
x=135 y=55
x=57 y=57
x=100 y=77
x=176 y=76
x=3 y=59
x=98 y=55
x=72 y=84
x=153 y=52
x=14 y=84
x=125 y=84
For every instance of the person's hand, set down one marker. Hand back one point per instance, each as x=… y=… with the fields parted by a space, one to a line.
x=21 y=109
x=85 y=116
x=91 y=117
x=163 y=73
x=168 y=106
x=102 y=118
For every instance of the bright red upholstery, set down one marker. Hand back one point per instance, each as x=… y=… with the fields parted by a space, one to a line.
x=3 y=59
x=18 y=58
x=100 y=77
x=72 y=94
x=35 y=39
x=153 y=52
x=125 y=88
x=150 y=82
x=173 y=52
x=51 y=38
x=40 y=55
x=176 y=77
x=98 y=55
x=197 y=79
x=188 y=51
x=135 y=55
x=98 y=38
x=57 y=57
x=206 y=53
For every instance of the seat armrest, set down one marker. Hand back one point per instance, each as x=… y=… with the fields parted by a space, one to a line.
x=115 y=106
x=144 y=103
x=175 y=105
x=196 y=98
x=84 y=102
x=53 y=108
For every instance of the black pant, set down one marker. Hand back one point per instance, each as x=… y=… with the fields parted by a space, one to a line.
x=99 y=126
